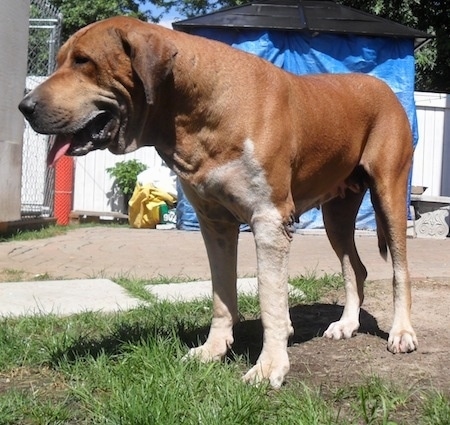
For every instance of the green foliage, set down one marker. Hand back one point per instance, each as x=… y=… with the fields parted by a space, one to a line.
x=437 y=409
x=125 y=174
x=38 y=47
x=79 y=13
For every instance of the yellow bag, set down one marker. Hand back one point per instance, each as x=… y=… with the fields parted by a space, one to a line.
x=143 y=211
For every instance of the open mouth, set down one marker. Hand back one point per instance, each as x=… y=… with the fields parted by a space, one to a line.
x=97 y=133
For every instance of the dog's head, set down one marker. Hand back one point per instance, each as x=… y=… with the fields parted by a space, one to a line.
x=104 y=89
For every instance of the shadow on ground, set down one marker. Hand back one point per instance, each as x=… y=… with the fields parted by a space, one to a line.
x=309 y=321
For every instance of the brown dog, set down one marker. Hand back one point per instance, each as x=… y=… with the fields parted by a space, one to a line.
x=250 y=143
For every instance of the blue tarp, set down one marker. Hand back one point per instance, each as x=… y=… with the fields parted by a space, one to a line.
x=389 y=59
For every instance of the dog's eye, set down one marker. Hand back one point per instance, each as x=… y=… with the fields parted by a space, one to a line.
x=80 y=60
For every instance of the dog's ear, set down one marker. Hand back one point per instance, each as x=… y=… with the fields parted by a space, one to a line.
x=151 y=58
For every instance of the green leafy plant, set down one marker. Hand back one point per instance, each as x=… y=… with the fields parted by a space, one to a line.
x=125 y=173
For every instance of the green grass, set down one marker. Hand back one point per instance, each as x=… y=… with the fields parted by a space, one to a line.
x=127 y=368
x=436 y=409
x=315 y=287
x=45 y=232
x=49 y=231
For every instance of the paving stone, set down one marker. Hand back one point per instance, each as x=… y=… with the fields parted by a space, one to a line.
x=63 y=297
x=189 y=291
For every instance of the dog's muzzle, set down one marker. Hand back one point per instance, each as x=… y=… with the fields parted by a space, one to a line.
x=95 y=131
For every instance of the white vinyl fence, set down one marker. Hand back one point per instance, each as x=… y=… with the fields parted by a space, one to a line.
x=431 y=167
x=94 y=189
x=37 y=188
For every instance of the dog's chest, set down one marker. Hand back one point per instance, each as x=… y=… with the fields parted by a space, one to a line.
x=240 y=185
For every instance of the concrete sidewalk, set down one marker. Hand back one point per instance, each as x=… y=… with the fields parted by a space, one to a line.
x=109 y=252
x=63 y=297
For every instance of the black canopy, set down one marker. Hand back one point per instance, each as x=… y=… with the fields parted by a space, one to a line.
x=302 y=15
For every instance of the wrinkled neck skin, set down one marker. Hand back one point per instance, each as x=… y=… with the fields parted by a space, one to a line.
x=153 y=125
x=179 y=124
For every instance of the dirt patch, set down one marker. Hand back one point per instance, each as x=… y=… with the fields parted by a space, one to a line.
x=336 y=363
x=42 y=380
x=331 y=364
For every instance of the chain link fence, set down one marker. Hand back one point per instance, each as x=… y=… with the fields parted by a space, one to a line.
x=38 y=181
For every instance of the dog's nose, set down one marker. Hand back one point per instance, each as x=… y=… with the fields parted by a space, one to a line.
x=27 y=106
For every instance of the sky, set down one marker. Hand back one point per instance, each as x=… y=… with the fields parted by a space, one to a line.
x=167 y=19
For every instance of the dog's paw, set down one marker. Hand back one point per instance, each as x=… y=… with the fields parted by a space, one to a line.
x=272 y=369
x=207 y=352
x=342 y=329
x=404 y=341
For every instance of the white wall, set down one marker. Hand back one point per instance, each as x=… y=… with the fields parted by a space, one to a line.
x=432 y=155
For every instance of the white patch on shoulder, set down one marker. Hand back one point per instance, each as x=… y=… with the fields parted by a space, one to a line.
x=241 y=186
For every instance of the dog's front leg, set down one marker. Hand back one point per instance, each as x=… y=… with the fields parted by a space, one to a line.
x=221 y=245
x=272 y=247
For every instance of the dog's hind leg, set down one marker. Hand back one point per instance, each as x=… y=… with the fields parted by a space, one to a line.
x=339 y=216
x=221 y=240
x=389 y=200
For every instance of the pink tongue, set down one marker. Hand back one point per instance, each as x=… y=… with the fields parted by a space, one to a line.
x=60 y=146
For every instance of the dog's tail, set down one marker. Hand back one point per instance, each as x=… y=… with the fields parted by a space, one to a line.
x=382 y=245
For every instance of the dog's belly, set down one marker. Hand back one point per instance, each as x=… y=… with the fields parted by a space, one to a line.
x=336 y=191
x=242 y=187
x=316 y=191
